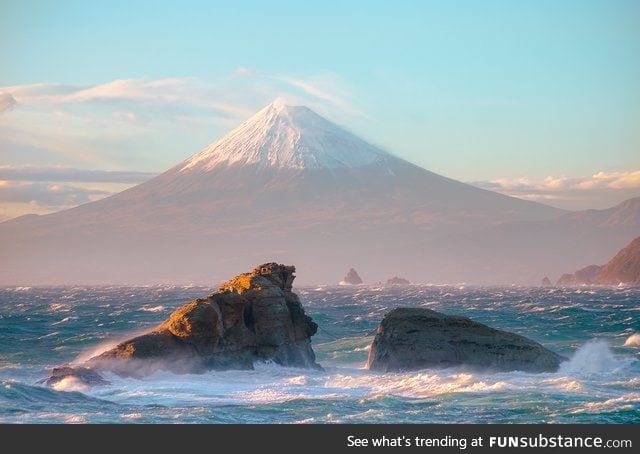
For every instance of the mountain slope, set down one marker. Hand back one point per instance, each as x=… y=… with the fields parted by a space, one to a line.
x=624 y=267
x=286 y=137
x=286 y=185
x=525 y=251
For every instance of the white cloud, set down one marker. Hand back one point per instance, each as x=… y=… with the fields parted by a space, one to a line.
x=600 y=190
x=178 y=91
x=599 y=180
x=324 y=91
x=613 y=180
x=219 y=97
x=147 y=124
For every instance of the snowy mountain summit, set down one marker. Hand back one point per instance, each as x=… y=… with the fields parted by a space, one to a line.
x=286 y=137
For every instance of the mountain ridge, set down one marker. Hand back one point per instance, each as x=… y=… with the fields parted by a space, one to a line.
x=377 y=211
x=622 y=268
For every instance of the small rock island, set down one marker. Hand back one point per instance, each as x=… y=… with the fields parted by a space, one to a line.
x=352 y=278
x=397 y=281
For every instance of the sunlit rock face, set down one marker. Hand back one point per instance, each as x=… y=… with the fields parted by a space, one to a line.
x=254 y=316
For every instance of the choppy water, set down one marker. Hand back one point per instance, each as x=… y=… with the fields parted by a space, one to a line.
x=45 y=327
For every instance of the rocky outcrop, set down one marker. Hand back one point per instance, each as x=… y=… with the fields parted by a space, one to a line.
x=82 y=375
x=397 y=281
x=546 y=282
x=623 y=268
x=255 y=316
x=352 y=278
x=586 y=275
x=416 y=338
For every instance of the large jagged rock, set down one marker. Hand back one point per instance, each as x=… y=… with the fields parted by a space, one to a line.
x=254 y=316
x=416 y=338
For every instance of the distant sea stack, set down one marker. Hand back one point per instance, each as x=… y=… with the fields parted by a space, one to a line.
x=397 y=281
x=623 y=268
x=416 y=338
x=546 y=282
x=254 y=316
x=352 y=278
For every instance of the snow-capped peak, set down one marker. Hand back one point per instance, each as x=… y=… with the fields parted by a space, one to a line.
x=286 y=137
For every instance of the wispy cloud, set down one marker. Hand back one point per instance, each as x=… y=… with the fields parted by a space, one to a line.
x=600 y=190
x=146 y=124
x=48 y=194
x=66 y=174
x=46 y=189
x=50 y=133
x=312 y=89
x=177 y=93
x=324 y=91
x=216 y=96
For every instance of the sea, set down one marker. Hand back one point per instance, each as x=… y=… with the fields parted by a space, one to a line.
x=597 y=328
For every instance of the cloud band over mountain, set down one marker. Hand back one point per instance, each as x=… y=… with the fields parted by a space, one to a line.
x=66 y=174
x=600 y=190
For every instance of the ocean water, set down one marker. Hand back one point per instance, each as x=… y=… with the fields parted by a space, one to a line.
x=597 y=328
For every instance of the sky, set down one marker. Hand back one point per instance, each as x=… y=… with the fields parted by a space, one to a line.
x=538 y=99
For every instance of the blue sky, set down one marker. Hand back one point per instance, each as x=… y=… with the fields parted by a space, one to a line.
x=533 y=98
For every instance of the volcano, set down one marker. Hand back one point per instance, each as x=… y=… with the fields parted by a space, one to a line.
x=287 y=185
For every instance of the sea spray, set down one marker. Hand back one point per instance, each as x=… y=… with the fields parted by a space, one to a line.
x=102 y=347
x=592 y=358
x=71 y=384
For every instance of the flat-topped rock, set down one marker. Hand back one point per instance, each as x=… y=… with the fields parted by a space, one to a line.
x=416 y=338
x=397 y=281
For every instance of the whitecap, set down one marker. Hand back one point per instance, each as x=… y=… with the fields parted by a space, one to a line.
x=626 y=402
x=71 y=384
x=64 y=320
x=565 y=384
x=152 y=309
x=424 y=384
